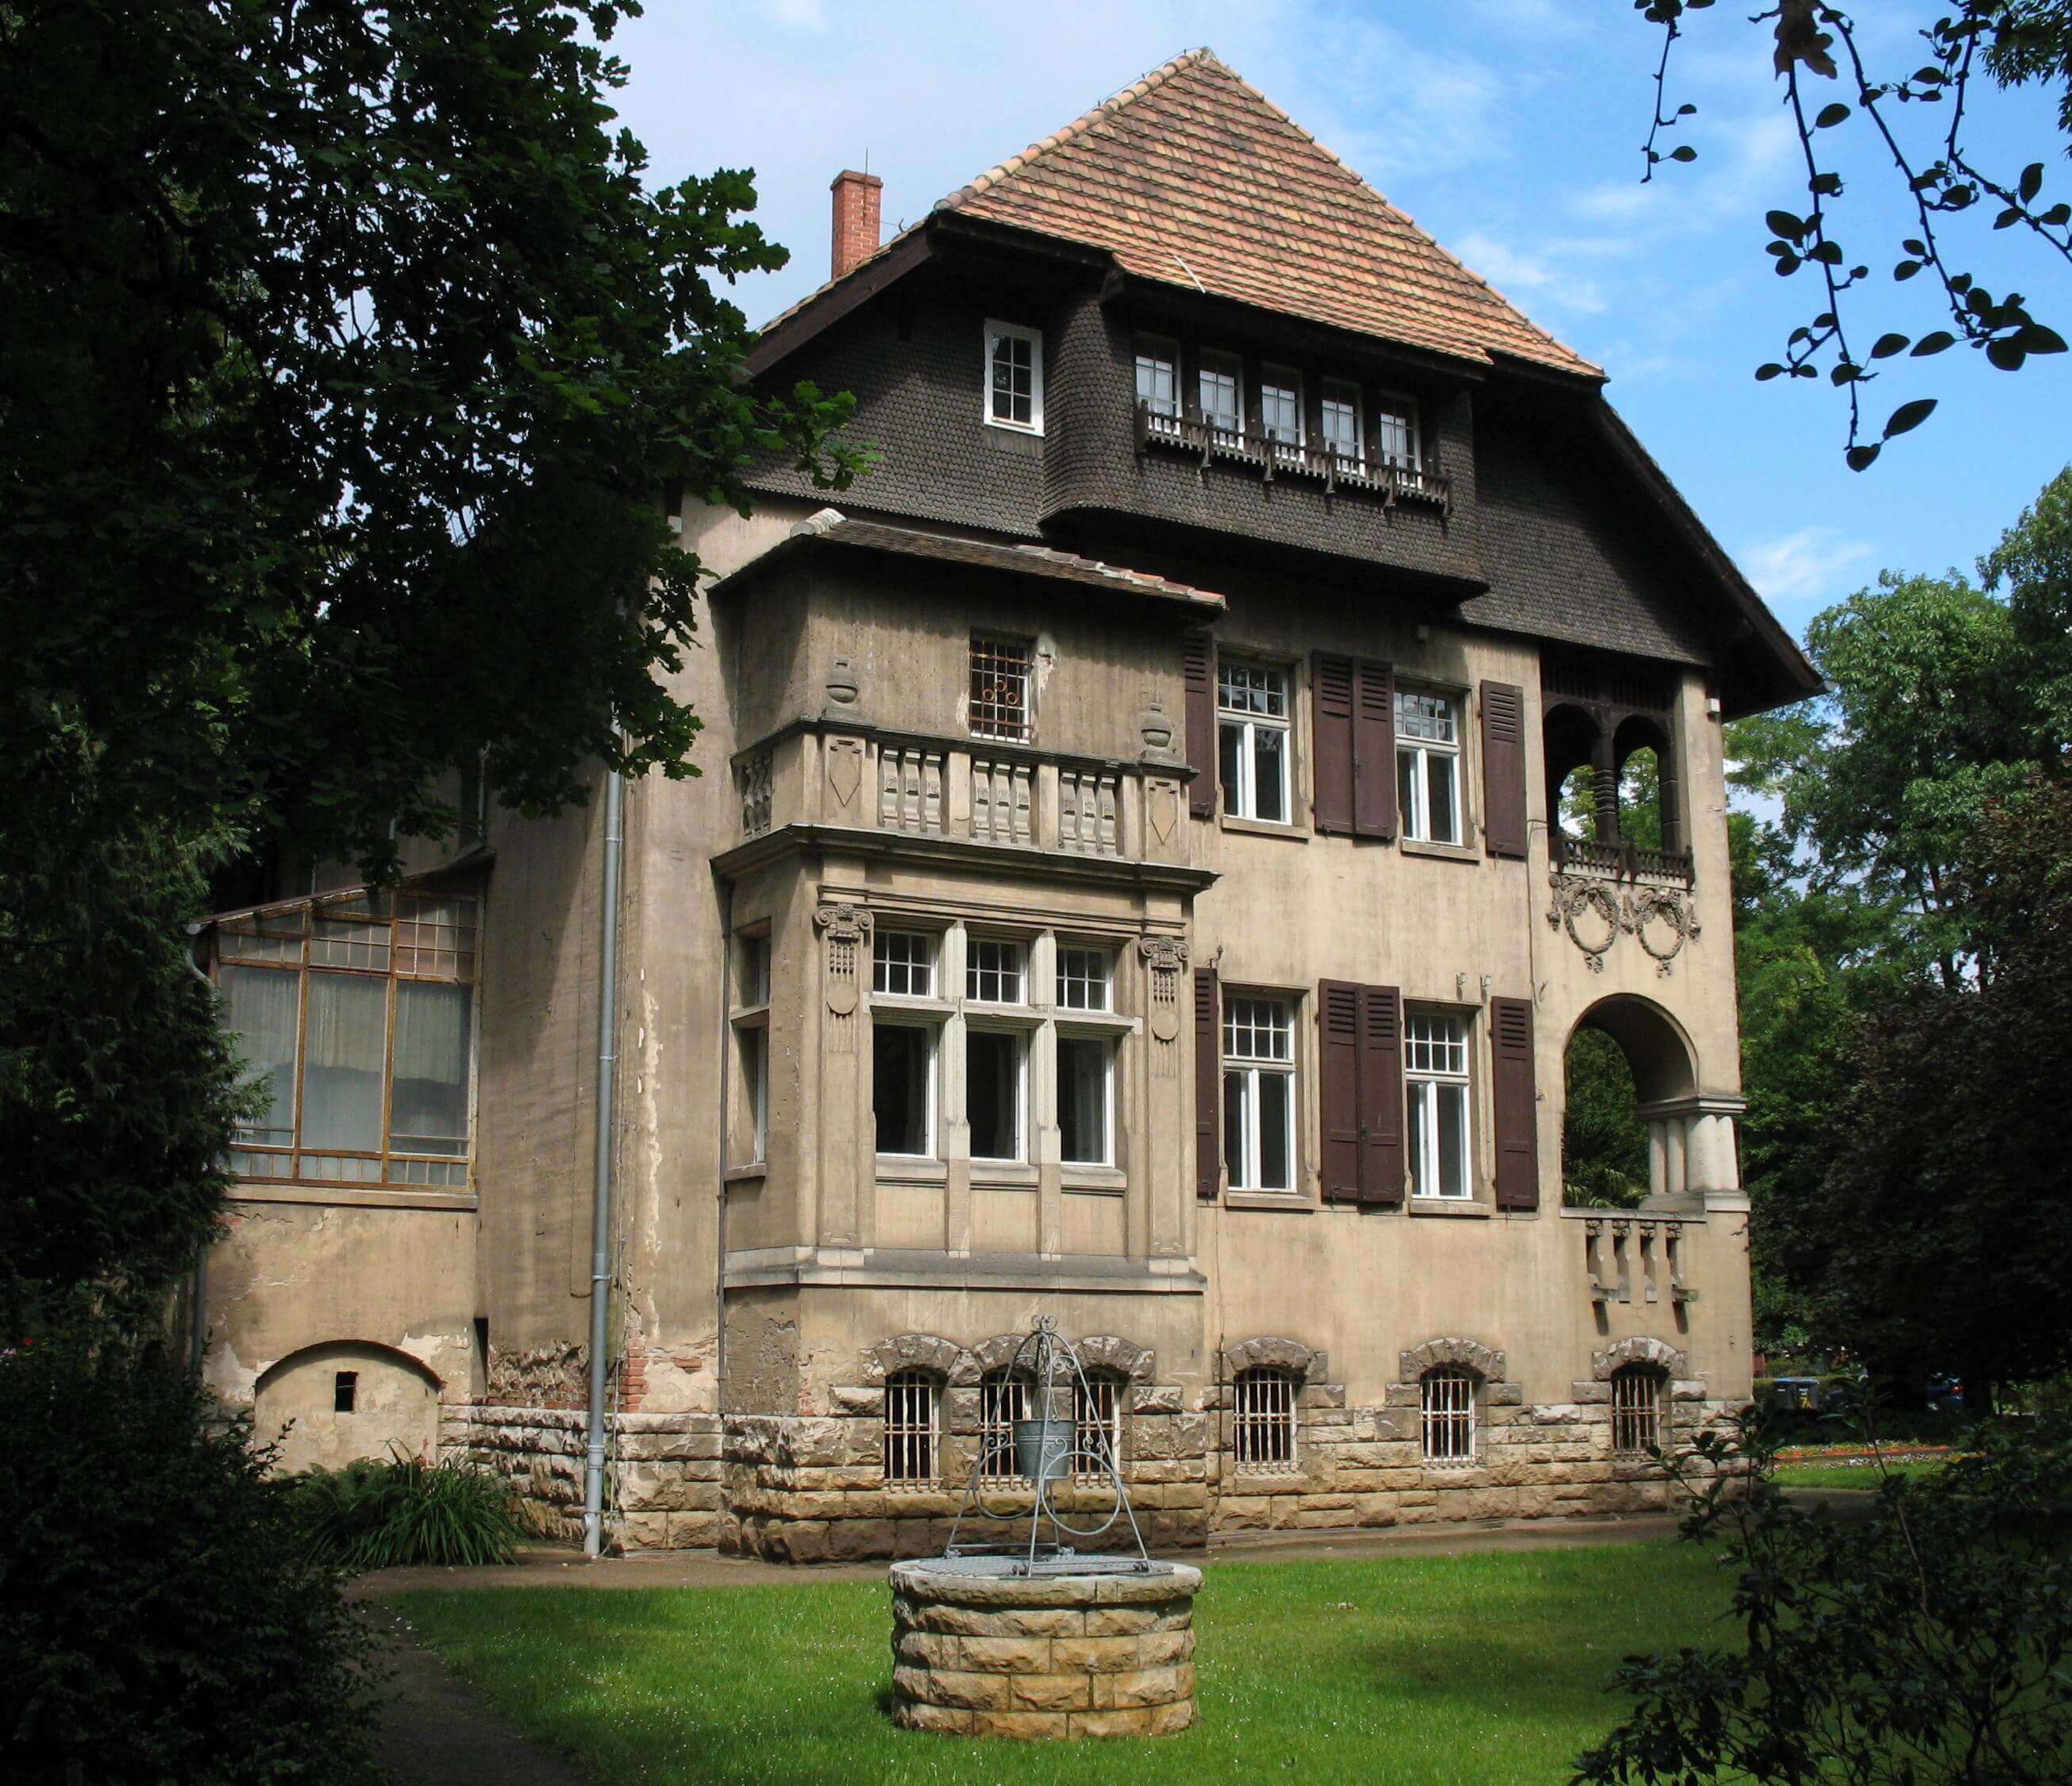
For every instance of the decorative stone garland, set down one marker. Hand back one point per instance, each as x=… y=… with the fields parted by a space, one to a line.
x=1593 y=915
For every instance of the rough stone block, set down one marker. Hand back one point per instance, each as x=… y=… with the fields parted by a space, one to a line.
x=1053 y=1692
x=1026 y=1726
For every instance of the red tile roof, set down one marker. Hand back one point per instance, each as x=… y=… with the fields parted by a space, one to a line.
x=1193 y=178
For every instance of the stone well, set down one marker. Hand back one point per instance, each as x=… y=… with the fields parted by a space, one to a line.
x=1084 y=1646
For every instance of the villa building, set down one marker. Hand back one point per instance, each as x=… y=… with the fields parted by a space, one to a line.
x=1126 y=882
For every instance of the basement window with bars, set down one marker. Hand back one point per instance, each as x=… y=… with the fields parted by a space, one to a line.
x=911 y=1402
x=1636 y=1409
x=356 y=1013
x=999 y=679
x=1263 y=1420
x=1446 y=1398
x=1096 y=1426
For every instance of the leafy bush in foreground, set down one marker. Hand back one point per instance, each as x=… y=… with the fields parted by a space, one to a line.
x=374 y=1515
x=1929 y=1642
x=160 y=1617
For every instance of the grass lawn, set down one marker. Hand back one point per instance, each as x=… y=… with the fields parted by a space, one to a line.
x=1484 y=1668
x=1844 y=1476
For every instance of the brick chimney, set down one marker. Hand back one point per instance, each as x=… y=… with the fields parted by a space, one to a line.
x=855 y=218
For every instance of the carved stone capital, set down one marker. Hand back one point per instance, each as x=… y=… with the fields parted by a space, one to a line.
x=1164 y=955
x=843 y=922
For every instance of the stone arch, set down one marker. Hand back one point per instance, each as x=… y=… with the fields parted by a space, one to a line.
x=1657 y=1047
x=299 y=1403
x=1568 y=735
x=1108 y=1352
x=1640 y=1349
x=929 y=1352
x=1486 y=1361
x=1279 y=1353
x=1639 y=732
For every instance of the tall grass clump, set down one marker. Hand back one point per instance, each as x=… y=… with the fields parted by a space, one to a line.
x=377 y=1514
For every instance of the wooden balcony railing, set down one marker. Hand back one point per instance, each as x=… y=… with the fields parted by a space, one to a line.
x=1619 y=861
x=1278 y=458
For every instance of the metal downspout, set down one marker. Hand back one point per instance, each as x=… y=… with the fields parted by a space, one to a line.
x=600 y=1259
x=198 y=1303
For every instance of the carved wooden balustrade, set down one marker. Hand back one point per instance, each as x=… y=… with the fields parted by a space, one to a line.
x=1272 y=458
x=1619 y=861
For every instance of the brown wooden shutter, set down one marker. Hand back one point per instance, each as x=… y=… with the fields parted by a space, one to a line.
x=1503 y=768
x=1333 y=703
x=1208 y=1085
x=1516 y=1109
x=1381 y=1095
x=1198 y=672
x=1338 y=1088
x=1374 y=750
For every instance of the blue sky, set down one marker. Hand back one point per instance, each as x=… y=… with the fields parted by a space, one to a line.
x=1510 y=130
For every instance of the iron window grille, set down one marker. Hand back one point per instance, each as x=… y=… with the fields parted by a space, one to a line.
x=1003 y=1400
x=994 y=973
x=1435 y=1076
x=1096 y=1426
x=1636 y=1409
x=1427 y=766
x=902 y=964
x=1253 y=739
x=999 y=689
x=1014 y=377
x=1259 y=1092
x=1447 y=1399
x=1263 y=1420
x=910 y=1407
x=1084 y=979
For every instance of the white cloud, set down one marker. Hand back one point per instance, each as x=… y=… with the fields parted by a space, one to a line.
x=1529 y=278
x=1804 y=567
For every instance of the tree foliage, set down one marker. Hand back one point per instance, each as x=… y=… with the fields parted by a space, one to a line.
x=349 y=359
x=160 y=1618
x=1926 y=1644
x=1915 y=121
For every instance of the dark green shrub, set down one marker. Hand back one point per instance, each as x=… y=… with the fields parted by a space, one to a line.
x=160 y=1617
x=376 y=1515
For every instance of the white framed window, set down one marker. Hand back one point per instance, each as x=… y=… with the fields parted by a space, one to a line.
x=1263 y=1420
x=1086 y=1100
x=996 y=971
x=1014 y=377
x=902 y=1087
x=1427 y=765
x=1259 y=1092
x=1220 y=389
x=1158 y=376
x=1341 y=418
x=996 y=1092
x=1096 y=1425
x=1395 y=431
x=912 y=1406
x=1435 y=1084
x=1000 y=689
x=1280 y=406
x=902 y=964
x=1085 y=978
x=1446 y=1399
x=1252 y=734
x=1003 y=1398
x=1636 y=1409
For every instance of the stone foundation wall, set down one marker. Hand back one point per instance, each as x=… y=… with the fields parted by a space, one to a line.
x=663 y=1470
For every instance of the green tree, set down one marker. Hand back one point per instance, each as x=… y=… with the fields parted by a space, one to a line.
x=349 y=359
x=1604 y=1144
x=1841 y=84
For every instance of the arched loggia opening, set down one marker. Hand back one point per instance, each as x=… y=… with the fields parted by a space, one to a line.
x=1612 y=778
x=1649 y=809
x=1632 y=1088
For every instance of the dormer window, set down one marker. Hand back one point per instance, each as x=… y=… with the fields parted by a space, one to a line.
x=1014 y=377
x=1281 y=405
x=1341 y=418
x=1158 y=376
x=1395 y=432
x=1220 y=384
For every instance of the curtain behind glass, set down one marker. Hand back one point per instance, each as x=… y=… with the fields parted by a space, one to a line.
x=348 y=1027
x=428 y=1101
x=262 y=1012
